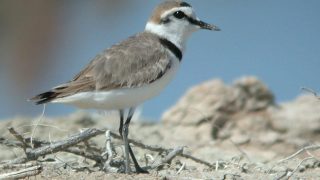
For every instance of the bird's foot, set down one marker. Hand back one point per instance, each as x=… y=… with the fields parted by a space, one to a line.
x=139 y=170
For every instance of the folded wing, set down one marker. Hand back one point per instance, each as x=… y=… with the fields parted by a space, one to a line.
x=135 y=62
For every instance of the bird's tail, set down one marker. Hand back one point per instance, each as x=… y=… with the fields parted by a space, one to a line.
x=44 y=97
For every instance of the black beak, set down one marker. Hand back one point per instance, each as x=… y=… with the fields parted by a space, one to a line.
x=203 y=25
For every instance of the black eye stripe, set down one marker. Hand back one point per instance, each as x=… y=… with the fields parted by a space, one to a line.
x=184 y=4
x=165 y=21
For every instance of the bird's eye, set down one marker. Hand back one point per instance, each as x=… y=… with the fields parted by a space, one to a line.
x=179 y=14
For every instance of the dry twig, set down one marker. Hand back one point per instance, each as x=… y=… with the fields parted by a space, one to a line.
x=13 y=166
x=296 y=168
x=10 y=143
x=197 y=160
x=181 y=168
x=19 y=137
x=36 y=125
x=288 y=174
x=64 y=144
x=108 y=146
x=27 y=172
x=109 y=153
x=310 y=91
x=167 y=159
x=312 y=147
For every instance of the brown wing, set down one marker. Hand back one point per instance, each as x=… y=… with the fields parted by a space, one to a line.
x=135 y=62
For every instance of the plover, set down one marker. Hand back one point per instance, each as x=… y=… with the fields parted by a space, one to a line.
x=133 y=71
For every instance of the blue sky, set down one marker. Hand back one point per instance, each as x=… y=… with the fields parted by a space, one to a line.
x=277 y=41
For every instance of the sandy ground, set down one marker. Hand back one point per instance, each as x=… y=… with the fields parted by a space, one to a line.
x=243 y=157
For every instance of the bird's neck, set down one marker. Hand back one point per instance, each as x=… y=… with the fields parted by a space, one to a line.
x=177 y=36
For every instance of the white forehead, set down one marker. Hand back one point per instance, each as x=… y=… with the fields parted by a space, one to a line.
x=187 y=10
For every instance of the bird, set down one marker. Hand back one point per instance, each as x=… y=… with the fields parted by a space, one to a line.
x=137 y=69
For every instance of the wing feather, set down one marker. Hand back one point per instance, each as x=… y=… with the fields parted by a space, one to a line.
x=135 y=62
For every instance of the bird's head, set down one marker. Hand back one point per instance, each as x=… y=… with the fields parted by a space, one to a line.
x=176 y=21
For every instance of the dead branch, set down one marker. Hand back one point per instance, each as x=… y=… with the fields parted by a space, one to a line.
x=296 y=168
x=175 y=152
x=312 y=147
x=108 y=147
x=168 y=158
x=13 y=166
x=172 y=154
x=74 y=150
x=197 y=160
x=19 y=137
x=109 y=152
x=288 y=174
x=19 y=160
x=47 y=148
x=27 y=172
x=64 y=144
x=312 y=155
x=10 y=143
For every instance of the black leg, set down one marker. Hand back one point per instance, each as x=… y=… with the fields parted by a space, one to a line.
x=136 y=164
x=121 y=112
x=124 y=130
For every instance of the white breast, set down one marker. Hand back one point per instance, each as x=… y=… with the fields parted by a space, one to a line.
x=121 y=98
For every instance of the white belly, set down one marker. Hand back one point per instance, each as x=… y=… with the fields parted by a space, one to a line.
x=120 y=98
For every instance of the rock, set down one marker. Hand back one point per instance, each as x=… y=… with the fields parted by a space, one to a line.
x=214 y=100
x=215 y=103
x=252 y=94
x=198 y=104
x=245 y=112
x=299 y=118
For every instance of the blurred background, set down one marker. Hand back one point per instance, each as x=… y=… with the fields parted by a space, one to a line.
x=45 y=43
